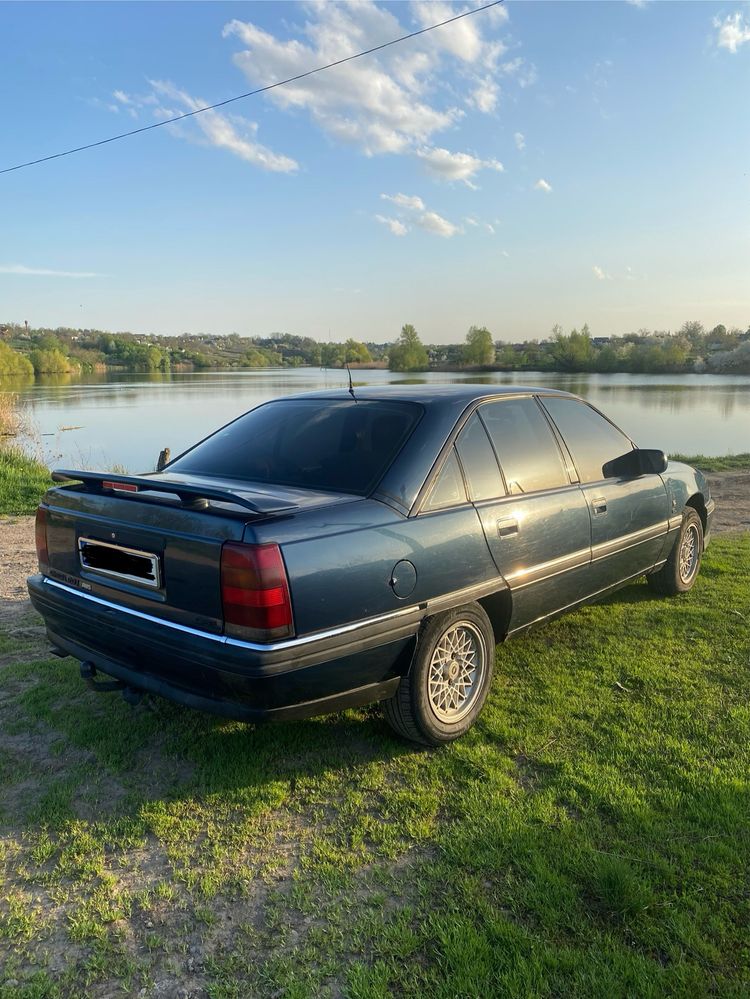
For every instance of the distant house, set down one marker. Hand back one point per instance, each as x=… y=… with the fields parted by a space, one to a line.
x=600 y=341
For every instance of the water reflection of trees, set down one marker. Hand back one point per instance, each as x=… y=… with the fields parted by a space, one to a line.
x=676 y=398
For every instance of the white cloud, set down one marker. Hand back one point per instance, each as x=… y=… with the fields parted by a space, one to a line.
x=390 y=102
x=233 y=133
x=394 y=101
x=543 y=185
x=462 y=39
x=395 y=225
x=412 y=202
x=520 y=141
x=733 y=31
x=445 y=165
x=524 y=73
x=436 y=224
x=599 y=274
x=505 y=253
x=490 y=228
x=416 y=213
x=485 y=96
x=44 y=272
x=637 y=3
x=470 y=220
x=361 y=102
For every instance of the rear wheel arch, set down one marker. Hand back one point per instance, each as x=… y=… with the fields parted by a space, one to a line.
x=453 y=659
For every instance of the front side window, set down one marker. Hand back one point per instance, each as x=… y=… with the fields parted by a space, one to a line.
x=591 y=440
x=332 y=444
x=525 y=445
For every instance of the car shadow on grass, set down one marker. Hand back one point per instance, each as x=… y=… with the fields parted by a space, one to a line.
x=86 y=754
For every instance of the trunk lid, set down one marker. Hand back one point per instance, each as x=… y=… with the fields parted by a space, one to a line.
x=153 y=543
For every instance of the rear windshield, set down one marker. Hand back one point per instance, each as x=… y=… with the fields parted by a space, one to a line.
x=339 y=445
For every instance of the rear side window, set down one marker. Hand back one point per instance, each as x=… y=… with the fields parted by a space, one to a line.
x=592 y=440
x=479 y=462
x=524 y=442
x=333 y=444
x=448 y=488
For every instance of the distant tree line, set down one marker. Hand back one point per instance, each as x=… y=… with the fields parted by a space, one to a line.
x=692 y=348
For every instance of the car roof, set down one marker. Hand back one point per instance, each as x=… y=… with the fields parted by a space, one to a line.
x=434 y=393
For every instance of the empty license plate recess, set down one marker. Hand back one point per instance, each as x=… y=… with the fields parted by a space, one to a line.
x=127 y=564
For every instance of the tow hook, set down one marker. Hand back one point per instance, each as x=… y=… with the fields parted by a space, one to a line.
x=88 y=672
x=130 y=694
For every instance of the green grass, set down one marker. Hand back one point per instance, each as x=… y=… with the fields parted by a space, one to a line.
x=725 y=463
x=23 y=482
x=590 y=836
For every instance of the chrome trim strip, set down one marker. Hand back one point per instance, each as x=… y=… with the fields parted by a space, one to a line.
x=290 y=643
x=571 y=561
x=538 y=573
x=626 y=541
x=675 y=522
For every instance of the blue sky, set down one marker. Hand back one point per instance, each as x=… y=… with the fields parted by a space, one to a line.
x=534 y=164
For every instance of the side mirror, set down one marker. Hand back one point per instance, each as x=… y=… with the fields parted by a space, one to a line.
x=641 y=461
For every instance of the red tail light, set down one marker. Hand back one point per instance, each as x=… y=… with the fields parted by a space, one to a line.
x=40 y=534
x=255 y=592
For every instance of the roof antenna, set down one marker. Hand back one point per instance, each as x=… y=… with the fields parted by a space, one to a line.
x=351 y=387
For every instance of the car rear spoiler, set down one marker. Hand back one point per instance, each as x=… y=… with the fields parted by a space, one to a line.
x=193 y=495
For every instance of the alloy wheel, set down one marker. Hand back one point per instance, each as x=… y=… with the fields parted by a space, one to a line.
x=689 y=554
x=456 y=671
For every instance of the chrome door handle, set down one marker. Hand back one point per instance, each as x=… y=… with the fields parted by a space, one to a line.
x=507 y=526
x=599 y=504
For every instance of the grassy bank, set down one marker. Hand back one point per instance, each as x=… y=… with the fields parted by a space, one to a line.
x=726 y=463
x=589 y=837
x=22 y=479
x=22 y=482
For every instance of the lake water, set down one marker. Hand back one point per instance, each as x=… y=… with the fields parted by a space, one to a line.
x=126 y=419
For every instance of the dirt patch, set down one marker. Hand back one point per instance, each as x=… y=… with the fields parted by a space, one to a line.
x=731 y=490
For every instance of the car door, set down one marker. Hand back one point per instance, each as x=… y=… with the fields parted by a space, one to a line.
x=534 y=518
x=628 y=515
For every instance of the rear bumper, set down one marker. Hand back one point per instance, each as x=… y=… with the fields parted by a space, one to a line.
x=298 y=678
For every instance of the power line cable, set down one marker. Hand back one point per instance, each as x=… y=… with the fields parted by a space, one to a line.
x=252 y=93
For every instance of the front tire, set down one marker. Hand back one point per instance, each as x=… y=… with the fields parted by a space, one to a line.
x=443 y=693
x=679 y=572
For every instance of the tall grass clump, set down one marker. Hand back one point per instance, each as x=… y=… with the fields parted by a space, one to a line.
x=23 y=480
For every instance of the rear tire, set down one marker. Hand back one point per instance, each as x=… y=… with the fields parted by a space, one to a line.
x=679 y=572
x=443 y=693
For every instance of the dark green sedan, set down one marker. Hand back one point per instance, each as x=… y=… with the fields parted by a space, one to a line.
x=335 y=549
